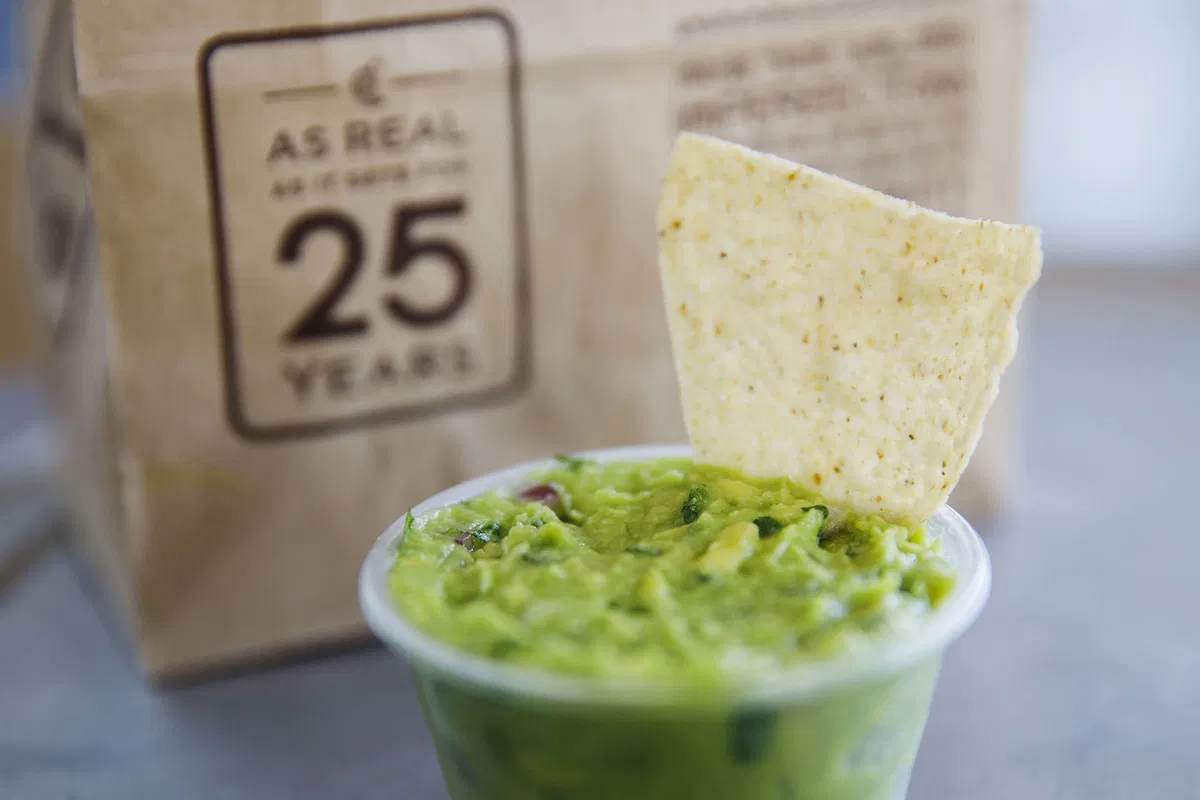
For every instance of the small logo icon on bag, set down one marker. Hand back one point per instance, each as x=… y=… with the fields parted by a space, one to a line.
x=365 y=83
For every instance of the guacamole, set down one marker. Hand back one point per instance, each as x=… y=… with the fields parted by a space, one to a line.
x=666 y=569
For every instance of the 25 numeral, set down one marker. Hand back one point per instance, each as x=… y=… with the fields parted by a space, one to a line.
x=321 y=320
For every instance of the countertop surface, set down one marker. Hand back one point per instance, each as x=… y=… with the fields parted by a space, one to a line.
x=1079 y=680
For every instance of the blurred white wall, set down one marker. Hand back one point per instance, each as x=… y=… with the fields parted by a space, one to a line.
x=1112 y=150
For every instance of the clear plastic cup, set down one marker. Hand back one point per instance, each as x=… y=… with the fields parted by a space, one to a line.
x=840 y=729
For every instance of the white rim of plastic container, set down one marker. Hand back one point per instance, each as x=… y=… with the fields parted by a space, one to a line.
x=961 y=546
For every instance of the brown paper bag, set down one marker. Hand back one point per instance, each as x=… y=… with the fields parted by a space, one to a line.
x=345 y=254
x=20 y=340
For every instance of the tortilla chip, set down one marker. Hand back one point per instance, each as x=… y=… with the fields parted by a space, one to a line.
x=831 y=333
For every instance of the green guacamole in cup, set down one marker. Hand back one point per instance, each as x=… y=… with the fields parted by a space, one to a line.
x=663 y=570
x=643 y=626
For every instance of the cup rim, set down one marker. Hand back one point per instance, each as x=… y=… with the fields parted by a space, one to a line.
x=878 y=660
